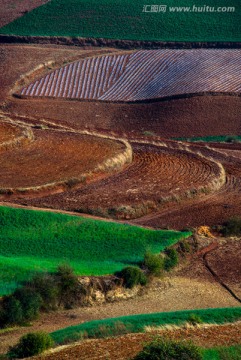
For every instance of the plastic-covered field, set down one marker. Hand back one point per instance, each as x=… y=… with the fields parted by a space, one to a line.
x=142 y=75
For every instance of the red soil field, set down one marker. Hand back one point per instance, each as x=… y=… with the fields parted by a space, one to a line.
x=54 y=157
x=12 y=9
x=155 y=175
x=225 y=261
x=8 y=132
x=195 y=116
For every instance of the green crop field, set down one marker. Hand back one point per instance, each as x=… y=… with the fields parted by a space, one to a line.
x=33 y=241
x=185 y=20
x=137 y=323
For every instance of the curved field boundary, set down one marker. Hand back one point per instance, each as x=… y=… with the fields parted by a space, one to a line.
x=142 y=75
x=22 y=135
x=69 y=179
x=157 y=175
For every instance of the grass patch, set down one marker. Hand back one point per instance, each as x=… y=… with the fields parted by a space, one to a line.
x=223 y=353
x=137 y=323
x=220 y=138
x=35 y=241
x=124 y=19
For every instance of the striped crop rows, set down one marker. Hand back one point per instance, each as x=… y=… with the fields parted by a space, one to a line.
x=85 y=79
x=143 y=75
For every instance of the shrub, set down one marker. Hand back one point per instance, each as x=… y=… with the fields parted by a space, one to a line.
x=30 y=302
x=164 y=349
x=31 y=344
x=132 y=275
x=11 y=312
x=154 y=263
x=68 y=285
x=46 y=286
x=232 y=227
x=171 y=260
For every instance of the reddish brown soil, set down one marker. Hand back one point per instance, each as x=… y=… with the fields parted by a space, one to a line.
x=9 y=132
x=12 y=9
x=53 y=157
x=225 y=261
x=127 y=346
x=155 y=175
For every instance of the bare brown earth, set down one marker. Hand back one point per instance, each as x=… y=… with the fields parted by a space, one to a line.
x=225 y=261
x=12 y=9
x=155 y=175
x=8 y=132
x=54 y=157
x=127 y=346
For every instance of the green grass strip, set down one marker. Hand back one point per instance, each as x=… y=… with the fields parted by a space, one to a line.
x=137 y=323
x=220 y=138
x=125 y=19
x=33 y=241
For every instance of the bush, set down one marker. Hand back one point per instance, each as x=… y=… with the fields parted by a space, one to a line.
x=164 y=349
x=46 y=286
x=232 y=227
x=68 y=285
x=132 y=275
x=31 y=344
x=171 y=260
x=154 y=263
x=11 y=312
x=30 y=302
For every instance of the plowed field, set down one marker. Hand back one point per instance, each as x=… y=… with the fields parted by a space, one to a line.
x=54 y=157
x=156 y=174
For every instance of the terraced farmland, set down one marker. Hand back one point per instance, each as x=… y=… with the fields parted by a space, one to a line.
x=54 y=158
x=142 y=75
x=156 y=175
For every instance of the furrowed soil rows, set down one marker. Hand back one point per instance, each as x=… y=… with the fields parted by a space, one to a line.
x=157 y=174
x=55 y=157
x=142 y=75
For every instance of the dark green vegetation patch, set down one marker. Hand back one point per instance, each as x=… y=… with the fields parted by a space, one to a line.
x=185 y=20
x=34 y=241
